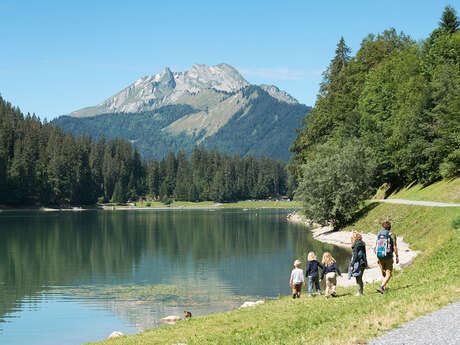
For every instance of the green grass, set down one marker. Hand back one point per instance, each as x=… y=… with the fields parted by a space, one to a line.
x=443 y=191
x=430 y=283
x=212 y=204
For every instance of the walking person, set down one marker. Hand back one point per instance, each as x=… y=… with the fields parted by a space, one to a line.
x=331 y=271
x=312 y=273
x=358 y=261
x=297 y=280
x=385 y=248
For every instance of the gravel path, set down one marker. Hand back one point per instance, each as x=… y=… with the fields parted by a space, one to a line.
x=420 y=203
x=440 y=327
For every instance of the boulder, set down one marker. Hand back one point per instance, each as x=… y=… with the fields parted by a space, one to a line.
x=252 y=304
x=115 y=335
x=170 y=320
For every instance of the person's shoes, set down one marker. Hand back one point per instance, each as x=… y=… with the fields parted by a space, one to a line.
x=381 y=289
x=320 y=293
x=358 y=294
x=309 y=295
x=294 y=295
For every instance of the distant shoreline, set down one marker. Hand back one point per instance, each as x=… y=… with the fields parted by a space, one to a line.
x=157 y=206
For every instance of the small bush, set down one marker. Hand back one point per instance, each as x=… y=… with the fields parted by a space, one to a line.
x=456 y=223
x=336 y=183
x=148 y=204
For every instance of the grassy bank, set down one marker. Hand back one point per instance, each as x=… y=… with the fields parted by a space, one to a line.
x=431 y=282
x=157 y=205
x=212 y=204
x=443 y=191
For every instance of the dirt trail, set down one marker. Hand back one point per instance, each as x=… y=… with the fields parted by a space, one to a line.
x=419 y=203
x=342 y=239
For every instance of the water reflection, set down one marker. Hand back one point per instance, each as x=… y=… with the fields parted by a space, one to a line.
x=223 y=253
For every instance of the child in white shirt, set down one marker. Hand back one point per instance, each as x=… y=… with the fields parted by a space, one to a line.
x=297 y=279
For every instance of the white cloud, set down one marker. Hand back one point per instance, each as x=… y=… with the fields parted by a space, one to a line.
x=278 y=73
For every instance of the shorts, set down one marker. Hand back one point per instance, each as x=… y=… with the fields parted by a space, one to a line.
x=331 y=278
x=297 y=287
x=386 y=265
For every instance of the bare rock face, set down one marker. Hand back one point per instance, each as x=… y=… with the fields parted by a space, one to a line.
x=168 y=87
x=278 y=94
x=115 y=334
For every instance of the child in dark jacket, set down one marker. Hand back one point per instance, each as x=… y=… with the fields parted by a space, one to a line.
x=331 y=271
x=312 y=273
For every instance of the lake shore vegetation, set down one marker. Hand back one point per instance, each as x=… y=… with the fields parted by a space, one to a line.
x=398 y=101
x=430 y=283
x=40 y=165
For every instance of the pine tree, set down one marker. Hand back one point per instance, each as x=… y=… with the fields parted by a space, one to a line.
x=449 y=20
x=118 y=194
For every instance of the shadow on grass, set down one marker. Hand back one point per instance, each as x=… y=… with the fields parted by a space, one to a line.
x=363 y=212
x=390 y=289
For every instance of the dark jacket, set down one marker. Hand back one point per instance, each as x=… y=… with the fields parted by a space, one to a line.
x=359 y=254
x=330 y=268
x=312 y=269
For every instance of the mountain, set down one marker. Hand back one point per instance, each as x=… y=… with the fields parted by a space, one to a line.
x=165 y=88
x=213 y=106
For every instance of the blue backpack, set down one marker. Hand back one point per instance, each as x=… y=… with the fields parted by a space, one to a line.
x=383 y=246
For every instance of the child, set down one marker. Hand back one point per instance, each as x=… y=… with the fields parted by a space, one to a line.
x=312 y=273
x=330 y=270
x=297 y=280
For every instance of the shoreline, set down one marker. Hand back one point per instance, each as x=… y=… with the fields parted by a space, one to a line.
x=372 y=274
x=245 y=205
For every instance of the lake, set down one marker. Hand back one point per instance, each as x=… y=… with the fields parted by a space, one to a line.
x=75 y=277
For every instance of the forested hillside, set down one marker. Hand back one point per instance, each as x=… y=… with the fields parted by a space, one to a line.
x=248 y=121
x=42 y=165
x=390 y=115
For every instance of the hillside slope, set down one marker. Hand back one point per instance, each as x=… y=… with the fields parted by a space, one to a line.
x=247 y=121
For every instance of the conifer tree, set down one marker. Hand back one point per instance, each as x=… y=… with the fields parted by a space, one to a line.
x=118 y=194
x=449 y=20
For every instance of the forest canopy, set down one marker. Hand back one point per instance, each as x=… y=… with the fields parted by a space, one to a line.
x=397 y=99
x=42 y=165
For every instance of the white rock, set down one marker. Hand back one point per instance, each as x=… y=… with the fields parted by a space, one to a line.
x=115 y=335
x=171 y=318
x=252 y=304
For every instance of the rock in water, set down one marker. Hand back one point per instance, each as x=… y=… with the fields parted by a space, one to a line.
x=115 y=335
x=171 y=320
x=252 y=304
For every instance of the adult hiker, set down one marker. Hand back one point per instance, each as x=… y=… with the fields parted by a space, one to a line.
x=358 y=261
x=385 y=247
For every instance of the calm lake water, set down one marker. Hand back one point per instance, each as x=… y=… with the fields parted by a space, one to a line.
x=75 y=277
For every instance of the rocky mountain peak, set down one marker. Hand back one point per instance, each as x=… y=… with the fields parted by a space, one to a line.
x=278 y=94
x=196 y=87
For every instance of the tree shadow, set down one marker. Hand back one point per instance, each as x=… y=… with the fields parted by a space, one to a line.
x=363 y=212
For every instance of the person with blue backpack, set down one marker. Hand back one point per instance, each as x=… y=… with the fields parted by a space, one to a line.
x=385 y=248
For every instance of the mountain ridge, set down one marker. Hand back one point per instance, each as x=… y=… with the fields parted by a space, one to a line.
x=167 y=87
x=212 y=106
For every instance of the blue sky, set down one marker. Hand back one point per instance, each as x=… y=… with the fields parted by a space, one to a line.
x=59 y=56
